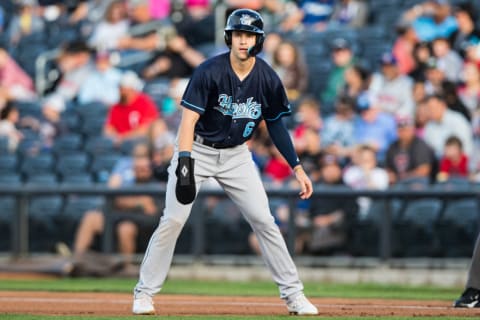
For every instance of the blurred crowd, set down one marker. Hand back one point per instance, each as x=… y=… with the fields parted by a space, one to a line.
x=378 y=97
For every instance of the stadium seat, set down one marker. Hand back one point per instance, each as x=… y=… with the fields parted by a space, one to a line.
x=8 y=163
x=77 y=179
x=43 y=212
x=10 y=179
x=97 y=145
x=102 y=166
x=7 y=212
x=42 y=179
x=458 y=227
x=67 y=144
x=73 y=163
x=41 y=163
x=92 y=127
x=415 y=228
x=92 y=110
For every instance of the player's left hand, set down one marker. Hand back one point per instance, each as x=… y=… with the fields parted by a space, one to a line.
x=306 y=188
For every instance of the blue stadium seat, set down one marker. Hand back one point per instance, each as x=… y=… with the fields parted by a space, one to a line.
x=92 y=127
x=43 y=214
x=96 y=145
x=73 y=163
x=458 y=227
x=10 y=179
x=8 y=163
x=92 y=110
x=41 y=163
x=77 y=179
x=8 y=207
x=67 y=144
x=102 y=166
x=42 y=179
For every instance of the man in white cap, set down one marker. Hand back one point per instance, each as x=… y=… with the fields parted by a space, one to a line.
x=132 y=117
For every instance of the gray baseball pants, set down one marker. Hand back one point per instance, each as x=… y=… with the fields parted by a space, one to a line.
x=236 y=172
x=473 y=280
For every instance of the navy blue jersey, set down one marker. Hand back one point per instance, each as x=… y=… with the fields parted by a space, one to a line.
x=231 y=109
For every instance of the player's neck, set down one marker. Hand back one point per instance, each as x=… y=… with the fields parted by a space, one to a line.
x=242 y=67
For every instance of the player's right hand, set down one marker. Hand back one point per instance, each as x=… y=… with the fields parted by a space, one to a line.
x=185 y=189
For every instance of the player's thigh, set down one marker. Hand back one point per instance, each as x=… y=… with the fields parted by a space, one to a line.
x=244 y=186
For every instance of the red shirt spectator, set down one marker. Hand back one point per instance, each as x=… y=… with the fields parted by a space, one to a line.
x=132 y=117
x=126 y=118
x=451 y=168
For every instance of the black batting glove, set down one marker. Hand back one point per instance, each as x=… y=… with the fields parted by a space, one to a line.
x=185 y=189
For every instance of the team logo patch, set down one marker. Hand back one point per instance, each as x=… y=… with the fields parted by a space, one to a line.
x=249 y=109
x=246 y=19
x=184 y=171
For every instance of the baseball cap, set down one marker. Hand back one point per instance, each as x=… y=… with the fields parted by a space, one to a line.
x=404 y=121
x=131 y=80
x=340 y=43
x=363 y=102
x=388 y=59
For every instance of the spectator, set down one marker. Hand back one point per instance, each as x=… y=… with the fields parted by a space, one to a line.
x=469 y=92
x=197 y=25
x=313 y=15
x=365 y=174
x=74 y=66
x=431 y=19
x=132 y=117
x=374 y=127
x=162 y=147
x=112 y=28
x=337 y=131
x=15 y=84
x=177 y=61
x=311 y=153
x=276 y=168
x=391 y=91
x=25 y=22
x=434 y=77
x=403 y=48
x=448 y=60
x=9 y=117
x=421 y=118
x=444 y=123
x=307 y=116
x=102 y=84
x=454 y=162
x=171 y=110
x=422 y=53
x=357 y=80
x=350 y=13
x=270 y=45
x=418 y=93
x=291 y=68
x=409 y=156
x=342 y=58
x=153 y=38
x=330 y=215
x=449 y=92
x=133 y=215
x=465 y=16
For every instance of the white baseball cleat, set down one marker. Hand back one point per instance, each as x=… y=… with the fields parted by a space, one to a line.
x=143 y=306
x=301 y=306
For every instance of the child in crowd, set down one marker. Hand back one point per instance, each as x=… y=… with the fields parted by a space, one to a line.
x=454 y=161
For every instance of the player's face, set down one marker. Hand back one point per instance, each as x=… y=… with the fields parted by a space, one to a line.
x=241 y=41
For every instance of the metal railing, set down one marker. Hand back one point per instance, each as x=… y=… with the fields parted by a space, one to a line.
x=20 y=222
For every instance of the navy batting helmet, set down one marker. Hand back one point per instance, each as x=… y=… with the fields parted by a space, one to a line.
x=249 y=21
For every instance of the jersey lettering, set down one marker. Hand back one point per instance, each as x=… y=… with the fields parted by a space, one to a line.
x=248 y=129
x=250 y=109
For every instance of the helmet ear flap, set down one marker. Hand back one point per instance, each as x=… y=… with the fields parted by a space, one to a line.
x=227 y=35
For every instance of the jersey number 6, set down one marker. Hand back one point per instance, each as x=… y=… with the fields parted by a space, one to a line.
x=248 y=129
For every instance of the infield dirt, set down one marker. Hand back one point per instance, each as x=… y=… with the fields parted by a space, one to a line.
x=113 y=304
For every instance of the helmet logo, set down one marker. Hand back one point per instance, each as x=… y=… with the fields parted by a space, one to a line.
x=246 y=19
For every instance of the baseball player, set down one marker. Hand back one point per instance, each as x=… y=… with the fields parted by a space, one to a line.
x=225 y=100
x=470 y=298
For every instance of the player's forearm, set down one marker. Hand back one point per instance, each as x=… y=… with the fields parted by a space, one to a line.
x=187 y=130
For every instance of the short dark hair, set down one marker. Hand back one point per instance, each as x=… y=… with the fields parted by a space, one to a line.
x=7 y=109
x=454 y=140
